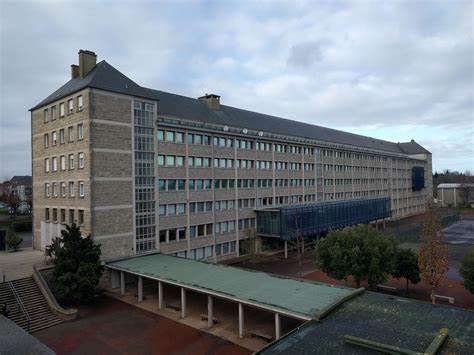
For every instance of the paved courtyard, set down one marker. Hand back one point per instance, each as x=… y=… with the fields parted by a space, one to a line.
x=114 y=327
x=16 y=265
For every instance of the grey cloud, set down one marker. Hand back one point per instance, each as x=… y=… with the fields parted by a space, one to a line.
x=304 y=55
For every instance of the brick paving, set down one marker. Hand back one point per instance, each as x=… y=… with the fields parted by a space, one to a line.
x=114 y=327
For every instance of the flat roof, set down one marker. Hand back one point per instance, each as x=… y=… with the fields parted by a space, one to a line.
x=297 y=298
x=394 y=321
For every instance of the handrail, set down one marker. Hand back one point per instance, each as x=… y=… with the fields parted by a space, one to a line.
x=20 y=303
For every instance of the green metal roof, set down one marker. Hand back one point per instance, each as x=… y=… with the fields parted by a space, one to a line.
x=303 y=299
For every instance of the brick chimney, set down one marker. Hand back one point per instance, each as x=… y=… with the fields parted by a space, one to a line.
x=87 y=62
x=74 y=71
x=212 y=100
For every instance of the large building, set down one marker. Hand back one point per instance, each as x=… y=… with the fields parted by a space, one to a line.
x=144 y=170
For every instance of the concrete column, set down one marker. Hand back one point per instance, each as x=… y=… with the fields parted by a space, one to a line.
x=160 y=295
x=114 y=279
x=122 y=283
x=286 y=249
x=241 y=320
x=183 y=302
x=210 y=311
x=277 y=326
x=455 y=202
x=140 y=289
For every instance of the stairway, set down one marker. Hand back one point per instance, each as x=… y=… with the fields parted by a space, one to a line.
x=33 y=301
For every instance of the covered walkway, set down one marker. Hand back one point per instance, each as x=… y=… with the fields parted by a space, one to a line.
x=219 y=288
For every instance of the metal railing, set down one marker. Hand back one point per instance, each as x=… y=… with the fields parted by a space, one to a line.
x=20 y=304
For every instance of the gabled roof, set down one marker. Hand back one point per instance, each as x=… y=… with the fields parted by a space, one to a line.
x=21 y=180
x=106 y=77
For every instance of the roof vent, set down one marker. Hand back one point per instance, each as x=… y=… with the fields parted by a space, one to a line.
x=260 y=134
x=245 y=131
x=226 y=128
x=212 y=100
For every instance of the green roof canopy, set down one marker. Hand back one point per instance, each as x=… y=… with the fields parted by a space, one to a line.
x=296 y=298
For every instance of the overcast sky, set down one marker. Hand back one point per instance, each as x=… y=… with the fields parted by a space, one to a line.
x=392 y=70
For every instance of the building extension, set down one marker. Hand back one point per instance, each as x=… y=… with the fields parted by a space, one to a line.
x=144 y=170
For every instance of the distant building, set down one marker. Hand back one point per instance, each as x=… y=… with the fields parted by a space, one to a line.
x=144 y=170
x=456 y=194
x=22 y=186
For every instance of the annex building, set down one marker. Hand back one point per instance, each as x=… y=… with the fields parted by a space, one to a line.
x=144 y=170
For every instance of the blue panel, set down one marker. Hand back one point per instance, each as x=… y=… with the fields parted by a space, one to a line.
x=417 y=178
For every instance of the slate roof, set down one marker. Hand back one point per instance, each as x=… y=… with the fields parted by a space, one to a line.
x=106 y=77
x=22 y=180
x=395 y=321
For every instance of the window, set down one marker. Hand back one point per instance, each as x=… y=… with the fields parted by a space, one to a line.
x=63 y=215
x=46 y=165
x=47 y=190
x=55 y=189
x=71 y=161
x=55 y=214
x=179 y=137
x=170 y=160
x=162 y=210
x=61 y=109
x=54 y=161
x=45 y=115
x=46 y=140
x=62 y=139
x=71 y=216
x=161 y=160
x=80 y=131
x=71 y=189
x=63 y=162
x=80 y=103
x=81 y=188
x=46 y=214
x=179 y=161
x=160 y=135
x=70 y=134
x=170 y=136
x=54 y=138
x=181 y=208
x=63 y=189
x=171 y=210
x=80 y=158
x=70 y=106
x=53 y=113
x=80 y=217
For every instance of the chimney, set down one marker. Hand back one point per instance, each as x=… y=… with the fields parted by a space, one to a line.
x=74 y=71
x=212 y=100
x=87 y=62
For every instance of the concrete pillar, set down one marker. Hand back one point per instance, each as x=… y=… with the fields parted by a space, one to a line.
x=241 y=320
x=140 y=289
x=277 y=326
x=183 y=302
x=114 y=279
x=455 y=202
x=122 y=283
x=286 y=249
x=210 y=311
x=160 y=295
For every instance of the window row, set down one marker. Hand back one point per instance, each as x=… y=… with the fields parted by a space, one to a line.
x=64 y=189
x=50 y=113
x=51 y=164
x=51 y=215
x=51 y=139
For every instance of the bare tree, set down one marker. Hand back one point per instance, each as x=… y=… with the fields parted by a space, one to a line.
x=465 y=192
x=12 y=200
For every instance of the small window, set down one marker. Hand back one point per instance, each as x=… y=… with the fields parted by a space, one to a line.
x=63 y=162
x=46 y=165
x=62 y=138
x=179 y=137
x=54 y=138
x=53 y=113
x=161 y=160
x=63 y=189
x=71 y=216
x=55 y=214
x=170 y=159
x=71 y=189
x=46 y=140
x=70 y=106
x=70 y=134
x=160 y=135
x=179 y=161
x=81 y=160
x=80 y=131
x=55 y=189
x=54 y=161
x=80 y=103
x=162 y=210
x=61 y=110
x=63 y=215
x=80 y=217
x=71 y=161
x=45 y=115
x=81 y=189
x=46 y=214
x=47 y=190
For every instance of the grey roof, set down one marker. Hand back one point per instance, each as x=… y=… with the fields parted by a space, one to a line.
x=106 y=77
x=14 y=340
x=22 y=180
x=402 y=322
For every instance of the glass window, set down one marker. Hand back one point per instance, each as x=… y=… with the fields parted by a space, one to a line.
x=70 y=106
x=80 y=131
x=179 y=137
x=81 y=160
x=161 y=160
x=179 y=161
x=46 y=214
x=80 y=103
x=162 y=236
x=161 y=185
x=46 y=165
x=197 y=139
x=181 y=184
x=46 y=140
x=71 y=161
x=54 y=161
x=81 y=189
x=63 y=162
x=162 y=210
x=190 y=138
x=71 y=188
x=160 y=135
x=81 y=217
x=53 y=113
x=170 y=136
x=171 y=210
x=61 y=109
x=181 y=208
x=171 y=185
x=54 y=138
x=70 y=134
x=170 y=159
x=55 y=214
x=45 y=115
